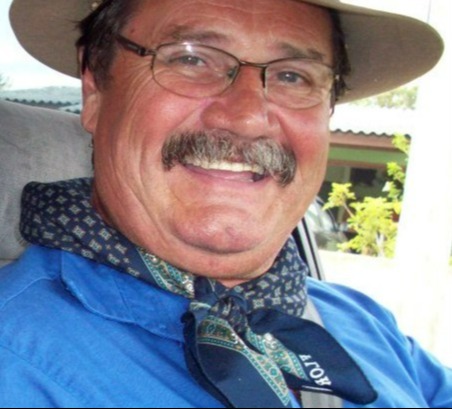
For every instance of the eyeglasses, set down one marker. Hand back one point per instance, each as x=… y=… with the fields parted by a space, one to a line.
x=199 y=71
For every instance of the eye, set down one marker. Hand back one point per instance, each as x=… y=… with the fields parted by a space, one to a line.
x=293 y=78
x=232 y=72
x=188 y=60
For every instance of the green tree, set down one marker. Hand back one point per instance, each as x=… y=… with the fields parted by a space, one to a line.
x=373 y=220
x=404 y=97
x=396 y=173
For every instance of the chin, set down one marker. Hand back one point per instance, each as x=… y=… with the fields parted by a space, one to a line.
x=221 y=238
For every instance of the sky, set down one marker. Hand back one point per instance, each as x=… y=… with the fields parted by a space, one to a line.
x=23 y=71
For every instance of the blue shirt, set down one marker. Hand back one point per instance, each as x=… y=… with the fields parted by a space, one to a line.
x=75 y=333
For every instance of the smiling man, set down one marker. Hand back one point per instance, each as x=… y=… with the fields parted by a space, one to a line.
x=170 y=279
x=207 y=202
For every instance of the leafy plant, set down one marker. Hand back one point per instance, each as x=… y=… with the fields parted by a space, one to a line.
x=373 y=220
x=396 y=173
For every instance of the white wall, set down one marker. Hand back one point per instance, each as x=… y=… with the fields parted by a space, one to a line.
x=377 y=277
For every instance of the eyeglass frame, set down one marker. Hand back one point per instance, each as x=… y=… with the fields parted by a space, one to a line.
x=142 y=51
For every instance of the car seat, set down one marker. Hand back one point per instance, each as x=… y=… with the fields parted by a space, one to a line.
x=36 y=144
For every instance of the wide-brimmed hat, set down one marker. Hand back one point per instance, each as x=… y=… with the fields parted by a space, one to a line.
x=385 y=50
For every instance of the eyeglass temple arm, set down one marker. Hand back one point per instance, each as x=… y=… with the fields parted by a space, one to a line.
x=131 y=46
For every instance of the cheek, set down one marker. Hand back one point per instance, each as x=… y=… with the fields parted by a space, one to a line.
x=312 y=151
x=140 y=118
x=310 y=138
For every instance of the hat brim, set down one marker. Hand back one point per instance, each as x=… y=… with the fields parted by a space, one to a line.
x=385 y=50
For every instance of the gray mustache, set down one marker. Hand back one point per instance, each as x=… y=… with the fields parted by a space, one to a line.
x=277 y=161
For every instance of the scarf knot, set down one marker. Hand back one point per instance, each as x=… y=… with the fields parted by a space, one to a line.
x=229 y=304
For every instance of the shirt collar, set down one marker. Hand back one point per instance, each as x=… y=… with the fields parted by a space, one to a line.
x=117 y=296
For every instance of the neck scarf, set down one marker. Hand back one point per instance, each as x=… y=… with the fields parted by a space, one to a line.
x=249 y=345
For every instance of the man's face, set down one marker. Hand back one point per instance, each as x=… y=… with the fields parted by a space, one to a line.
x=223 y=224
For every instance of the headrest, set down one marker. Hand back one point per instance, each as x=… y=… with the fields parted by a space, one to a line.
x=35 y=145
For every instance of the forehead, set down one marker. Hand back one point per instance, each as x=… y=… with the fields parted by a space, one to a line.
x=282 y=25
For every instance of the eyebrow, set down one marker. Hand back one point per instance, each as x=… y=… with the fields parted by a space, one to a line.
x=296 y=52
x=185 y=33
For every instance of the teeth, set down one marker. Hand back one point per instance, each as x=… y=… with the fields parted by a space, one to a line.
x=226 y=166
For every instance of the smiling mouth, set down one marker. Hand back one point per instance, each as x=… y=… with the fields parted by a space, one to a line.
x=232 y=171
x=228 y=156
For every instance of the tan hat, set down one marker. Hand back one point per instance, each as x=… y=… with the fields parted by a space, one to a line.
x=385 y=50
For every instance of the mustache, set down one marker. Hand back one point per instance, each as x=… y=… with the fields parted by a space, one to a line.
x=273 y=158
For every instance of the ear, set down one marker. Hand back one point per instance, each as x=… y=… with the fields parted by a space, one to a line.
x=91 y=101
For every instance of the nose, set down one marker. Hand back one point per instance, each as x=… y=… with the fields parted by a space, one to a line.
x=243 y=107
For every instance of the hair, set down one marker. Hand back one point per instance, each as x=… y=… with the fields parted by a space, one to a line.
x=100 y=29
x=341 y=62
